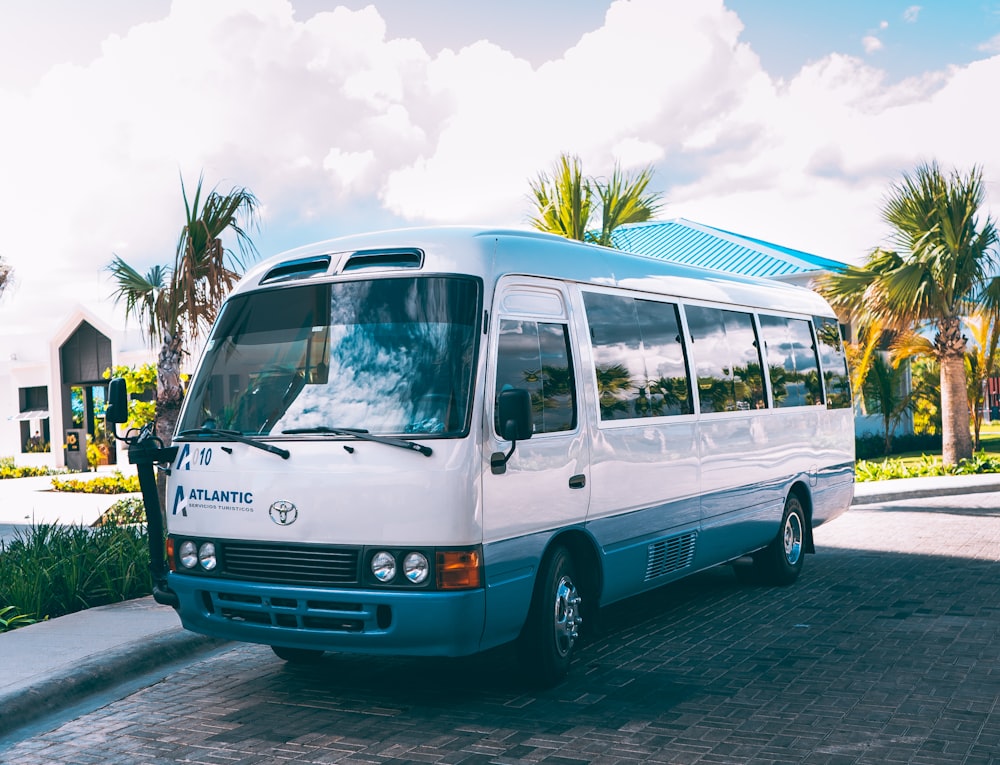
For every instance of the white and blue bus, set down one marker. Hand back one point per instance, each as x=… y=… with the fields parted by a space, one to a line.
x=432 y=442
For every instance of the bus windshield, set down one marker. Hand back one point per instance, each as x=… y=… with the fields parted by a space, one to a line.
x=383 y=356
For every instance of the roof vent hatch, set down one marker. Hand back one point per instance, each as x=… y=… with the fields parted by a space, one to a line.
x=392 y=258
x=297 y=269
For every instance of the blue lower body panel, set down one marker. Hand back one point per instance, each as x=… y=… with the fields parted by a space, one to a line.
x=349 y=620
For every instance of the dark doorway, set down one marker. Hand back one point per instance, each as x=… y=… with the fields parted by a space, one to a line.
x=82 y=359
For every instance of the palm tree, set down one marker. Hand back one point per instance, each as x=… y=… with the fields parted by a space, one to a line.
x=566 y=202
x=883 y=395
x=943 y=265
x=175 y=304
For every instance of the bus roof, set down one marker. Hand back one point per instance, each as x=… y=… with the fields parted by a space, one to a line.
x=491 y=253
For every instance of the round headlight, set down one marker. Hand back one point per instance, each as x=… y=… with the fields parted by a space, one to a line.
x=383 y=566
x=206 y=555
x=188 y=554
x=415 y=567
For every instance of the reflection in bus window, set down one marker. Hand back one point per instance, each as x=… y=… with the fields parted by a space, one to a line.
x=791 y=361
x=638 y=357
x=535 y=356
x=391 y=356
x=836 y=378
x=727 y=360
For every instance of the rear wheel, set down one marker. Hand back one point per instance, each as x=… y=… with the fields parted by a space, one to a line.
x=297 y=655
x=781 y=561
x=551 y=631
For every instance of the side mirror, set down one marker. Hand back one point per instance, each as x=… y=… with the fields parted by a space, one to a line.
x=514 y=414
x=116 y=411
x=515 y=424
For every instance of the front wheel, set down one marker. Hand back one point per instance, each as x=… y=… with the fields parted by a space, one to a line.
x=551 y=631
x=297 y=655
x=781 y=561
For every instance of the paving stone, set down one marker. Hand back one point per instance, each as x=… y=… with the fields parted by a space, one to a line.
x=886 y=651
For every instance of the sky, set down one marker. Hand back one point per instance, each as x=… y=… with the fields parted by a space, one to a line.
x=784 y=120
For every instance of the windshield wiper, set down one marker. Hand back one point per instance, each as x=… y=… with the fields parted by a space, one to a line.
x=234 y=435
x=364 y=435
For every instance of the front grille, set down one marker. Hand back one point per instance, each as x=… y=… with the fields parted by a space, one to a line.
x=289 y=564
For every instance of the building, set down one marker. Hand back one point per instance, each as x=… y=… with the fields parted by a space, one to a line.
x=52 y=386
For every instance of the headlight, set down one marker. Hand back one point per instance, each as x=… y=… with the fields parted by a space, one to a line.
x=206 y=555
x=188 y=554
x=415 y=567
x=383 y=566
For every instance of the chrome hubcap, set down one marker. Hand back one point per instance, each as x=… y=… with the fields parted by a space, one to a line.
x=567 y=615
x=793 y=538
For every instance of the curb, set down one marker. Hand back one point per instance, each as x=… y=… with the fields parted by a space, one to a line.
x=938 y=491
x=58 y=690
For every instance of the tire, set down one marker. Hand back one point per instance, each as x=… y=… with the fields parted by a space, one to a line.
x=552 y=628
x=780 y=563
x=297 y=655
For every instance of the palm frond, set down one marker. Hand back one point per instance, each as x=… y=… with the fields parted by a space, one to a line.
x=145 y=296
x=624 y=199
x=563 y=202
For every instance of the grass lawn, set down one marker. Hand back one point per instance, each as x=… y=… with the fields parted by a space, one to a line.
x=989 y=442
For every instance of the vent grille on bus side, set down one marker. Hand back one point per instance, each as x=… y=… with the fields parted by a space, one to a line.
x=297 y=269
x=669 y=555
x=281 y=564
x=394 y=258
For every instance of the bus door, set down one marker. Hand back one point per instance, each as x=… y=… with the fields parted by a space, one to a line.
x=545 y=483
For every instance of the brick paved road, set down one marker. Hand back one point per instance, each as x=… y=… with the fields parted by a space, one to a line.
x=886 y=651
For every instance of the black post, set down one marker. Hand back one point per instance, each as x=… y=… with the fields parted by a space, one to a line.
x=144 y=453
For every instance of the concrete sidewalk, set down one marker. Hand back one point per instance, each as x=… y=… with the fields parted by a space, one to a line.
x=51 y=665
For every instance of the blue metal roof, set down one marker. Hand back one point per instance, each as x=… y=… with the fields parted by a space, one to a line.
x=696 y=244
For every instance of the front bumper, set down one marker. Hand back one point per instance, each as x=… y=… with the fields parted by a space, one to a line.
x=388 y=622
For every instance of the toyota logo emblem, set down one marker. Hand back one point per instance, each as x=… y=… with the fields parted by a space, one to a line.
x=283 y=513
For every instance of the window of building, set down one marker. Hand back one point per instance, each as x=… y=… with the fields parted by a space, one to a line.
x=33 y=416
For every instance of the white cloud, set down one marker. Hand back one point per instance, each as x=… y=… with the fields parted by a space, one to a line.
x=883 y=25
x=991 y=46
x=911 y=14
x=331 y=123
x=871 y=43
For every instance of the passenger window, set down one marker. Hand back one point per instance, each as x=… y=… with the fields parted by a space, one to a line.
x=727 y=360
x=836 y=378
x=638 y=357
x=535 y=356
x=791 y=361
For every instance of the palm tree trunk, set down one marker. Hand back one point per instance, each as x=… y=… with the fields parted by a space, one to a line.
x=169 y=395
x=956 y=439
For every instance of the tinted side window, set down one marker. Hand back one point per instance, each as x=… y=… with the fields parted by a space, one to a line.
x=638 y=357
x=791 y=361
x=727 y=360
x=836 y=378
x=668 y=383
x=535 y=356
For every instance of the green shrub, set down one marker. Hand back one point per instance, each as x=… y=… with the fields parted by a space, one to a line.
x=48 y=571
x=9 y=469
x=10 y=619
x=870 y=470
x=116 y=483
x=873 y=445
x=124 y=511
